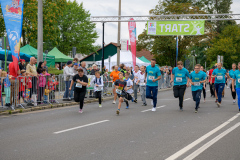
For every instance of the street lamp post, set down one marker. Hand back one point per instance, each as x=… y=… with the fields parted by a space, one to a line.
x=119 y=34
x=40 y=31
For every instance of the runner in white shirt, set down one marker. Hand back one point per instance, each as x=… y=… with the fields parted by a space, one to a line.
x=142 y=82
x=136 y=85
x=98 y=86
x=129 y=90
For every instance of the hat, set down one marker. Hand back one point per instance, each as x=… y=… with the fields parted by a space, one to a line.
x=69 y=62
x=75 y=64
x=22 y=60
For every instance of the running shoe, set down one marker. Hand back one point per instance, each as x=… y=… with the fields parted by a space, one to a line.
x=239 y=111
x=204 y=100
x=153 y=109
x=117 y=112
x=196 y=110
x=100 y=106
x=151 y=102
x=234 y=101
x=135 y=100
x=181 y=109
x=114 y=102
x=127 y=107
x=218 y=104
x=216 y=101
x=80 y=111
x=144 y=104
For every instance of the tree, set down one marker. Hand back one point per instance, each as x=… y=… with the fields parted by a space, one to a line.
x=227 y=45
x=76 y=30
x=2 y=25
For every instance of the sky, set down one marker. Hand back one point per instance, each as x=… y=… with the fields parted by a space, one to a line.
x=129 y=8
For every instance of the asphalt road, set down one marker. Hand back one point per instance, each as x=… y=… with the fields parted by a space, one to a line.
x=136 y=134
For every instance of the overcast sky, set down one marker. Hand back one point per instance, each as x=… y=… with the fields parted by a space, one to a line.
x=129 y=8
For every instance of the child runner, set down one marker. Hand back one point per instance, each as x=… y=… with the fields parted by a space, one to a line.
x=80 y=88
x=197 y=79
x=142 y=83
x=120 y=86
x=136 y=85
x=98 y=85
x=129 y=89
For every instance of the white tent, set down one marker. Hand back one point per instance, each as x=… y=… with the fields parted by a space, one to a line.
x=125 y=58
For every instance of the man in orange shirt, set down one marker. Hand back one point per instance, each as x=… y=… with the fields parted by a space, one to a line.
x=114 y=76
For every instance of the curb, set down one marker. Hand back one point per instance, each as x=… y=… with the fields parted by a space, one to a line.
x=52 y=106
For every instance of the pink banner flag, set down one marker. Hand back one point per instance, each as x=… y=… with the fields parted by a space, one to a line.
x=132 y=35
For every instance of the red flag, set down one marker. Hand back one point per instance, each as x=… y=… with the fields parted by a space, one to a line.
x=132 y=35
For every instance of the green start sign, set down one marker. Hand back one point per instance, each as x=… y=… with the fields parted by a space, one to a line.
x=165 y=28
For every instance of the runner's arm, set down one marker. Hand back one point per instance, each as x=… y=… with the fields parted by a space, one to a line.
x=233 y=83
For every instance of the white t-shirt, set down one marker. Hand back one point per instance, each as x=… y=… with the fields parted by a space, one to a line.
x=129 y=83
x=142 y=78
x=100 y=84
x=136 y=76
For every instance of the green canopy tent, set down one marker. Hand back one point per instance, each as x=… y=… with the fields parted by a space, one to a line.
x=144 y=59
x=59 y=56
x=34 y=53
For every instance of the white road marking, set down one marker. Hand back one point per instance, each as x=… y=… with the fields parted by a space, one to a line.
x=70 y=129
x=151 y=109
x=210 y=143
x=187 y=99
x=199 y=140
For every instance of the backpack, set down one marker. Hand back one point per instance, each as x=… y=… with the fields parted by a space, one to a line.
x=95 y=82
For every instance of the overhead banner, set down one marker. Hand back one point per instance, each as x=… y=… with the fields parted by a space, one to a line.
x=165 y=28
x=132 y=35
x=13 y=17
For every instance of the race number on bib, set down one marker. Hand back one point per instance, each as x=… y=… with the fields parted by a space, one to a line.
x=98 y=88
x=178 y=79
x=219 y=77
x=151 y=77
x=196 y=83
x=142 y=84
x=238 y=80
x=78 y=85
x=118 y=91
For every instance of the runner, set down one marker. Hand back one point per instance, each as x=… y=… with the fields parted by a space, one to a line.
x=129 y=90
x=231 y=73
x=80 y=88
x=197 y=79
x=180 y=82
x=114 y=76
x=142 y=82
x=236 y=78
x=219 y=75
x=136 y=85
x=204 y=84
x=211 y=82
x=97 y=81
x=153 y=74
x=120 y=86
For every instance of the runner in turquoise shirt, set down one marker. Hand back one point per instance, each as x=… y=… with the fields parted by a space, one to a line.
x=231 y=73
x=197 y=78
x=236 y=78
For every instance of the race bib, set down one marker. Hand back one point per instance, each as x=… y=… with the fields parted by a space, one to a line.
x=151 y=77
x=219 y=77
x=196 y=83
x=178 y=79
x=78 y=85
x=238 y=80
x=98 y=88
x=118 y=91
x=142 y=84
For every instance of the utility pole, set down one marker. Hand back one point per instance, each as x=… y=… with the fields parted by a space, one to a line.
x=119 y=34
x=40 y=31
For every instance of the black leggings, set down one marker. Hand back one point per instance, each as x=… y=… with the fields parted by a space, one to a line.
x=204 y=91
x=178 y=92
x=98 y=94
x=79 y=97
x=212 y=89
x=233 y=93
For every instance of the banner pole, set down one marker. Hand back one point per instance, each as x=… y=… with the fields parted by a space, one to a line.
x=5 y=45
x=176 y=50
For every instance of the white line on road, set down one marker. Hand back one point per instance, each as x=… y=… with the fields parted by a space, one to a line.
x=196 y=142
x=210 y=143
x=70 y=129
x=151 y=109
x=187 y=99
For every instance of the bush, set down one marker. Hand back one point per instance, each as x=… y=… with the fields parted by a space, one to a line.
x=54 y=71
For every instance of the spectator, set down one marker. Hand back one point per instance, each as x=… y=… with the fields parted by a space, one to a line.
x=40 y=67
x=7 y=85
x=94 y=69
x=57 y=66
x=45 y=66
x=75 y=60
x=83 y=66
x=32 y=72
x=63 y=66
x=42 y=84
x=22 y=86
x=104 y=69
x=14 y=82
x=21 y=64
x=67 y=72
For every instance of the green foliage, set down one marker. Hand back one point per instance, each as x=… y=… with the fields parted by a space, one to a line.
x=227 y=45
x=76 y=30
x=2 y=25
x=54 y=71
